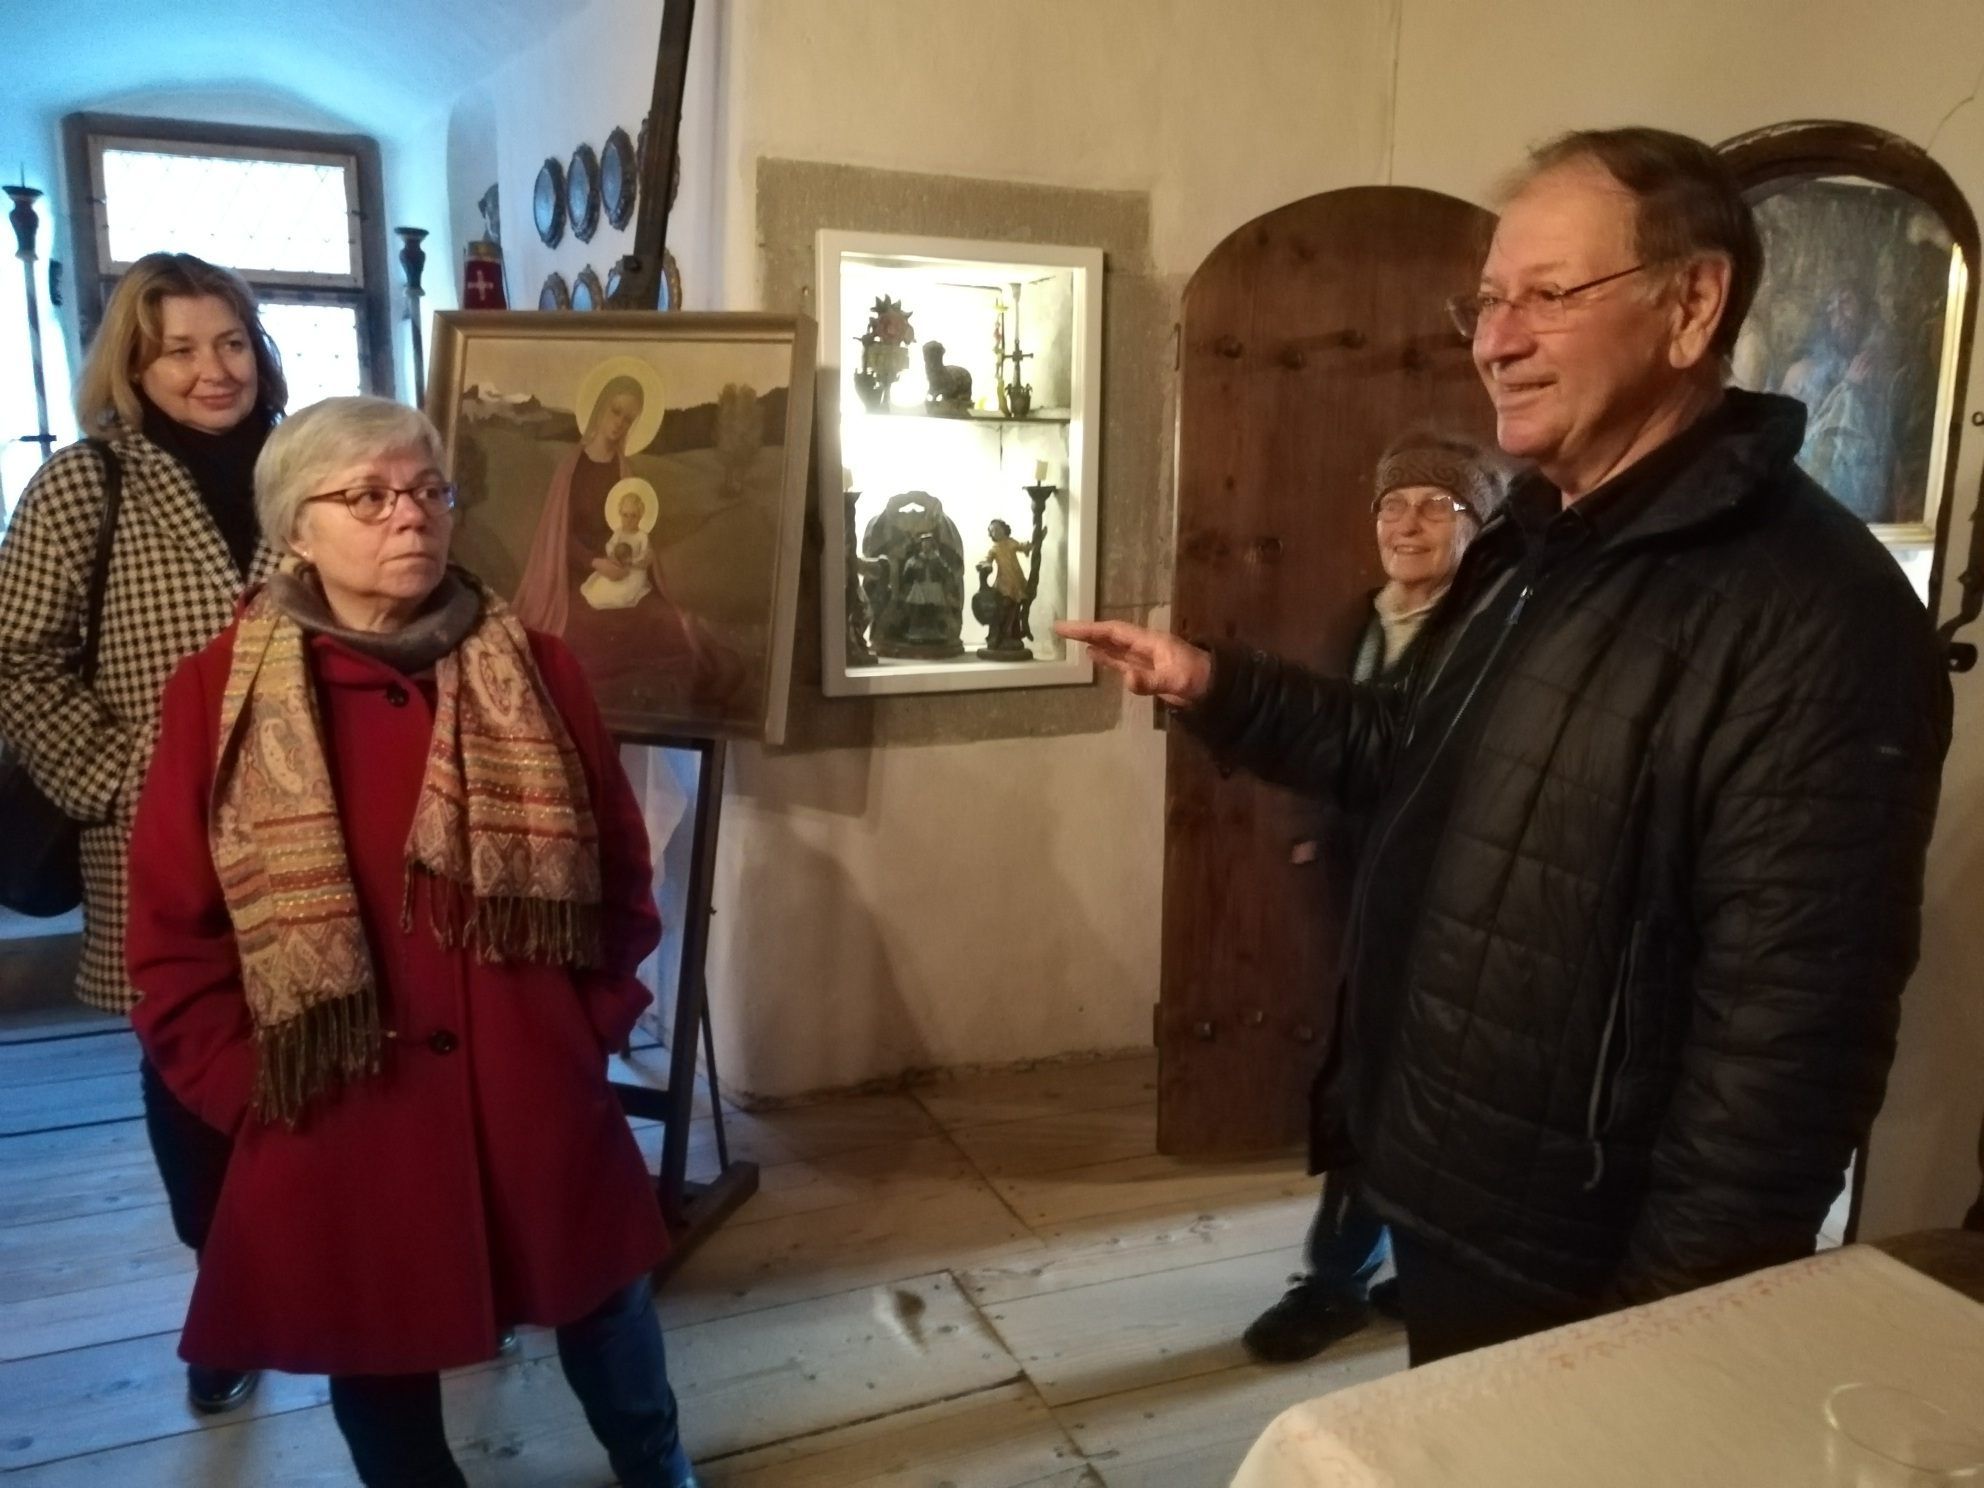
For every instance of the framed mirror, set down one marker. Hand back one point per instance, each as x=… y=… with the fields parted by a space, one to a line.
x=1864 y=314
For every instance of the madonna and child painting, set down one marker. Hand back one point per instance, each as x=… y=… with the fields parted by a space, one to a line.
x=634 y=483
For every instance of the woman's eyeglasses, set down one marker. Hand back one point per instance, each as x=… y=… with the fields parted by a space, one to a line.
x=1433 y=510
x=376 y=503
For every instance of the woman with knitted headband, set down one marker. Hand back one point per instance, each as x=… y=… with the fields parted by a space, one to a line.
x=1433 y=493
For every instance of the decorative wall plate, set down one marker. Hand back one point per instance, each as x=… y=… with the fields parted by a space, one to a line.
x=613 y=282
x=554 y=295
x=617 y=179
x=586 y=292
x=582 y=193
x=547 y=202
x=671 y=280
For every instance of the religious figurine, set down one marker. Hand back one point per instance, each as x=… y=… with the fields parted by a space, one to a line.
x=950 y=387
x=926 y=594
x=884 y=352
x=914 y=581
x=1002 y=600
x=1008 y=598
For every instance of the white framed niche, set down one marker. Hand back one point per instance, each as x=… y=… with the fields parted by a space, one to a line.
x=975 y=463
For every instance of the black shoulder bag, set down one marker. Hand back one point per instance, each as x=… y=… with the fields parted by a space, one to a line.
x=40 y=851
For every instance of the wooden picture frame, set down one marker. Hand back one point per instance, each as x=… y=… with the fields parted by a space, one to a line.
x=635 y=482
x=1865 y=313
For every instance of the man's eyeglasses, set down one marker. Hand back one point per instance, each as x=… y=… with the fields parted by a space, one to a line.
x=1435 y=511
x=376 y=503
x=1539 y=309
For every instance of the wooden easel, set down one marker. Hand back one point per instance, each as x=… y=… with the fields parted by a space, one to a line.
x=692 y=1210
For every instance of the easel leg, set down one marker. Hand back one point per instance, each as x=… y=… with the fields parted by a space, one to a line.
x=693 y=1211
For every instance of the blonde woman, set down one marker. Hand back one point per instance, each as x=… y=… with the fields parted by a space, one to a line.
x=180 y=390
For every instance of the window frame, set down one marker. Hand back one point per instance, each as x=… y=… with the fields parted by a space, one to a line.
x=368 y=292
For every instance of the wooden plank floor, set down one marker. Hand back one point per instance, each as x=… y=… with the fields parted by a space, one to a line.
x=988 y=1282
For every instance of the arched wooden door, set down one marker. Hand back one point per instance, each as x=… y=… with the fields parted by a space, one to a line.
x=1309 y=339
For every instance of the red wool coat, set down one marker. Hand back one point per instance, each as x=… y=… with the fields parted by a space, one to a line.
x=486 y=1176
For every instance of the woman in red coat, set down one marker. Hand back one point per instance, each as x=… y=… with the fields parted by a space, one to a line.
x=388 y=890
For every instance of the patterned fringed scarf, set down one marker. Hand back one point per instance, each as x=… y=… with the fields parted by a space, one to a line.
x=503 y=842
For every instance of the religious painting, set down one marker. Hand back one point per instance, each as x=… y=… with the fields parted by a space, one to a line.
x=634 y=483
x=1854 y=318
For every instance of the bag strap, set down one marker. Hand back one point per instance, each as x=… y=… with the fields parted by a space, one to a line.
x=106 y=535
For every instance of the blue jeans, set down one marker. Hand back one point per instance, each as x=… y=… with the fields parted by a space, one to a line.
x=1347 y=1242
x=615 y=1364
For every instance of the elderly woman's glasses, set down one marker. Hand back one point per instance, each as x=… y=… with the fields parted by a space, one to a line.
x=1435 y=510
x=377 y=503
x=1539 y=309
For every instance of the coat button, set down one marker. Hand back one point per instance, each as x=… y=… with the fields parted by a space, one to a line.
x=396 y=695
x=441 y=1041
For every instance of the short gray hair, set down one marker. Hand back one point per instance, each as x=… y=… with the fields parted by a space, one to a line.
x=1687 y=202
x=309 y=447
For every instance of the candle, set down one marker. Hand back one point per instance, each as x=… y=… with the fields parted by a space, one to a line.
x=1040 y=472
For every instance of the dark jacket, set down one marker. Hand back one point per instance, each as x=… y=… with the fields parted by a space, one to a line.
x=1650 y=991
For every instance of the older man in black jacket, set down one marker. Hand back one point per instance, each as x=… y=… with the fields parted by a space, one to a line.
x=1644 y=874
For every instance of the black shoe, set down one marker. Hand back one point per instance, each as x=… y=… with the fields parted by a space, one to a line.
x=506 y=1341
x=1384 y=1299
x=212 y=1391
x=1303 y=1323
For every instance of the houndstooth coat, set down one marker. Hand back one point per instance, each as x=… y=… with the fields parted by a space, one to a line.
x=171 y=589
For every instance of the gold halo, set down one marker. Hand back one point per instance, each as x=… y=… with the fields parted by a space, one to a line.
x=641 y=435
x=650 y=503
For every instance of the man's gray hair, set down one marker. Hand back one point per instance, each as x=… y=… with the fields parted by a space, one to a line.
x=311 y=447
x=1688 y=203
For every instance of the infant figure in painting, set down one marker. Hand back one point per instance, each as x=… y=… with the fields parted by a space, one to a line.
x=619 y=579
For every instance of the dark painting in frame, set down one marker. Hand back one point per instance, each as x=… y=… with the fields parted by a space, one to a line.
x=1864 y=314
x=634 y=482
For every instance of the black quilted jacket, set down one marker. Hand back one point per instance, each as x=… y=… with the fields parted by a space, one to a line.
x=1652 y=986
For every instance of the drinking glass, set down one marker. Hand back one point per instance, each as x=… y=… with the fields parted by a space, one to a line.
x=1882 y=1437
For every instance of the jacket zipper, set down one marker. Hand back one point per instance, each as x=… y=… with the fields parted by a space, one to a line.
x=1453 y=724
x=1618 y=1019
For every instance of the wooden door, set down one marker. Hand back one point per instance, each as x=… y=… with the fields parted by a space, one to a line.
x=1310 y=338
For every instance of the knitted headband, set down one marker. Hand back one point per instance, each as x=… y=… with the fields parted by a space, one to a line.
x=1452 y=465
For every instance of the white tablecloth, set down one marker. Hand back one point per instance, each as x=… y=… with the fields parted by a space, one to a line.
x=1725 y=1386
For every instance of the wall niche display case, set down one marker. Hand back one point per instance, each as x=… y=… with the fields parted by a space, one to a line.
x=959 y=388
